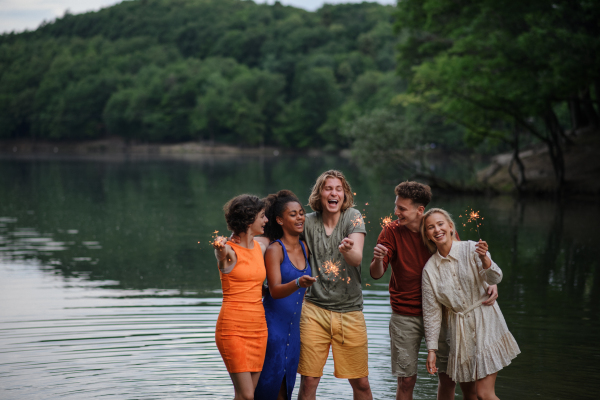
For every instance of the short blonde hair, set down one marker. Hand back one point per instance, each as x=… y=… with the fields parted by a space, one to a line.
x=430 y=245
x=314 y=201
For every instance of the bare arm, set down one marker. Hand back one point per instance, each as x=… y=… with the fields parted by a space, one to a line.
x=273 y=260
x=352 y=248
x=224 y=254
x=377 y=268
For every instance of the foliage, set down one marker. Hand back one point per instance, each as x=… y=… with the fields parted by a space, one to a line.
x=228 y=71
x=503 y=68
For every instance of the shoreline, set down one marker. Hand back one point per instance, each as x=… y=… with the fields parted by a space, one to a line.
x=115 y=147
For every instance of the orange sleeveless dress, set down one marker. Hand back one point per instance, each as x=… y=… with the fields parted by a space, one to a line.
x=241 y=332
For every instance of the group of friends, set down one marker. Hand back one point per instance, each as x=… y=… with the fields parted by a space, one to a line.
x=441 y=289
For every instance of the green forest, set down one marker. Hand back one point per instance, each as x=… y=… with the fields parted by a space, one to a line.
x=495 y=74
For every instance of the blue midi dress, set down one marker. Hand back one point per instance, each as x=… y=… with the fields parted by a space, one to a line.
x=283 y=344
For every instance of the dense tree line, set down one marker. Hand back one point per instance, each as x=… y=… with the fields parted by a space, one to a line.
x=510 y=70
x=229 y=71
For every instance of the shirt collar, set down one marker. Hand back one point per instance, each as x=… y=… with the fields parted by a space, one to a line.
x=453 y=253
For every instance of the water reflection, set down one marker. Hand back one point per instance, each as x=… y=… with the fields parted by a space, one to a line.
x=109 y=293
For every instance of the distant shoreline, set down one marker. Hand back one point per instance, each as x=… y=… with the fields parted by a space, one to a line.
x=111 y=147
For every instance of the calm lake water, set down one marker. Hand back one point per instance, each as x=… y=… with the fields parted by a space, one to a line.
x=109 y=288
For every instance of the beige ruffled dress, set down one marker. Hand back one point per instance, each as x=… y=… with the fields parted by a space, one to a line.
x=456 y=285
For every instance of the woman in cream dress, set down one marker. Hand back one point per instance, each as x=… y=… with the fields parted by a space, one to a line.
x=455 y=281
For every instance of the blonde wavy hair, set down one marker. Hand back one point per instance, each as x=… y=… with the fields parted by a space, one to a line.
x=430 y=245
x=314 y=201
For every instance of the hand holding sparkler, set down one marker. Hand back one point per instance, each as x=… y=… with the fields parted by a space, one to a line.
x=346 y=245
x=380 y=251
x=306 y=281
x=481 y=249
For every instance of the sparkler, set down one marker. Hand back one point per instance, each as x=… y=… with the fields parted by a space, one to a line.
x=356 y=221
x=473 y=216
x=385 y=221
x=216 y=241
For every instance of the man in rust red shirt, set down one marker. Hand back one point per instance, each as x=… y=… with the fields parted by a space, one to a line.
x=400 y=245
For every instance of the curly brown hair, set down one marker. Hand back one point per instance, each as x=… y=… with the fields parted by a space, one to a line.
x=241 y=212
x=314 y=201
x=276 y=205
x=419 y=193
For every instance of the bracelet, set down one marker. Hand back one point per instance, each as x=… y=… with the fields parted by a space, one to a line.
x=430 y=350
x=298 y=282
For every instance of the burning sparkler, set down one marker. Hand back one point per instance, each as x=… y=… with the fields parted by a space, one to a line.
x=216 y=241
x=356 y=221
x=473 y=216
x=385 y=221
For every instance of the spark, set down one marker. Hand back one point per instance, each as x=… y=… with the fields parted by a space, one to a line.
x=368 y=284
x=473 y=216
x=366 y=204
x=354 y=194
x=385 y=221
x=356 y=221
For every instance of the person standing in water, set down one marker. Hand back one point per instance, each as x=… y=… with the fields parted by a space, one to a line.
x=241 y=331
x=288 y=276
x=400 y=245
x=332 y=313
x=455 y=283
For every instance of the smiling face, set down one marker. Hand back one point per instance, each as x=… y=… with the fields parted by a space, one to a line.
x=258 y=226
x=332 y=195
x=438 y=229
x=407 y=211
x=292 y=218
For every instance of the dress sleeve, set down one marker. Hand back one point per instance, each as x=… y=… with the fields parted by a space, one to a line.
x=432 y=313
x=492 y=275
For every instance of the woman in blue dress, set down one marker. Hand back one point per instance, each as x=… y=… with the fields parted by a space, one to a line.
x=288 y=276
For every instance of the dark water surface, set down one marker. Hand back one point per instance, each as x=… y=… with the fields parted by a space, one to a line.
x=106 y=292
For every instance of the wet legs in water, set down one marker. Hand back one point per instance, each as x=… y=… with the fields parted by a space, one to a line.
x=360 y=388
x=482 y=389
x=244 y=384
x=406 y=386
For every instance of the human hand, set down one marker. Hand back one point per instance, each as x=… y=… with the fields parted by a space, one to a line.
x=234 y=238
x=346 y=245
x=306 y=281
x=219 y=243
x=431 y=368
x=380 y=251
x=481 y=248
x=492 y=291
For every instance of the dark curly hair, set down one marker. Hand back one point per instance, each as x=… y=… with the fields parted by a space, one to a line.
x=276 y=204
x=241 y=212
x=419 y=193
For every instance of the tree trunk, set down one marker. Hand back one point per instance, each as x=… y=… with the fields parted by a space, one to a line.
x=597 y=93
x=519 y=180
x=578 y=119
x=588 y=108
x=555 y=147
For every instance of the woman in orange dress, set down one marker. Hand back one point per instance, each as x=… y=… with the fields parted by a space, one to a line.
x=241 y=331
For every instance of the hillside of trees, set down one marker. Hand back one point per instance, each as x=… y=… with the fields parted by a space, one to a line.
x=496 y=76
x=227 y=71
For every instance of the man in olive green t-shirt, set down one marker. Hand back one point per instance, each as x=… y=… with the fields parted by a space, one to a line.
x=332 y=313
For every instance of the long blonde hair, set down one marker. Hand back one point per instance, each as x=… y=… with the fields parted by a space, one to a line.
x=430 y=245
x=314 y=201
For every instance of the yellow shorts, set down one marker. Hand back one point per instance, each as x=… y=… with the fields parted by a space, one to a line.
x=346 y=333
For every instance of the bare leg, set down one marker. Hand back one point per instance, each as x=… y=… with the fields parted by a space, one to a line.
x=406 y=385
x=446 y=387
x=244 y=384
x=308 y=387
x=469 y=390
x=282 y=391
x=361 y=388
x=486 y=388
